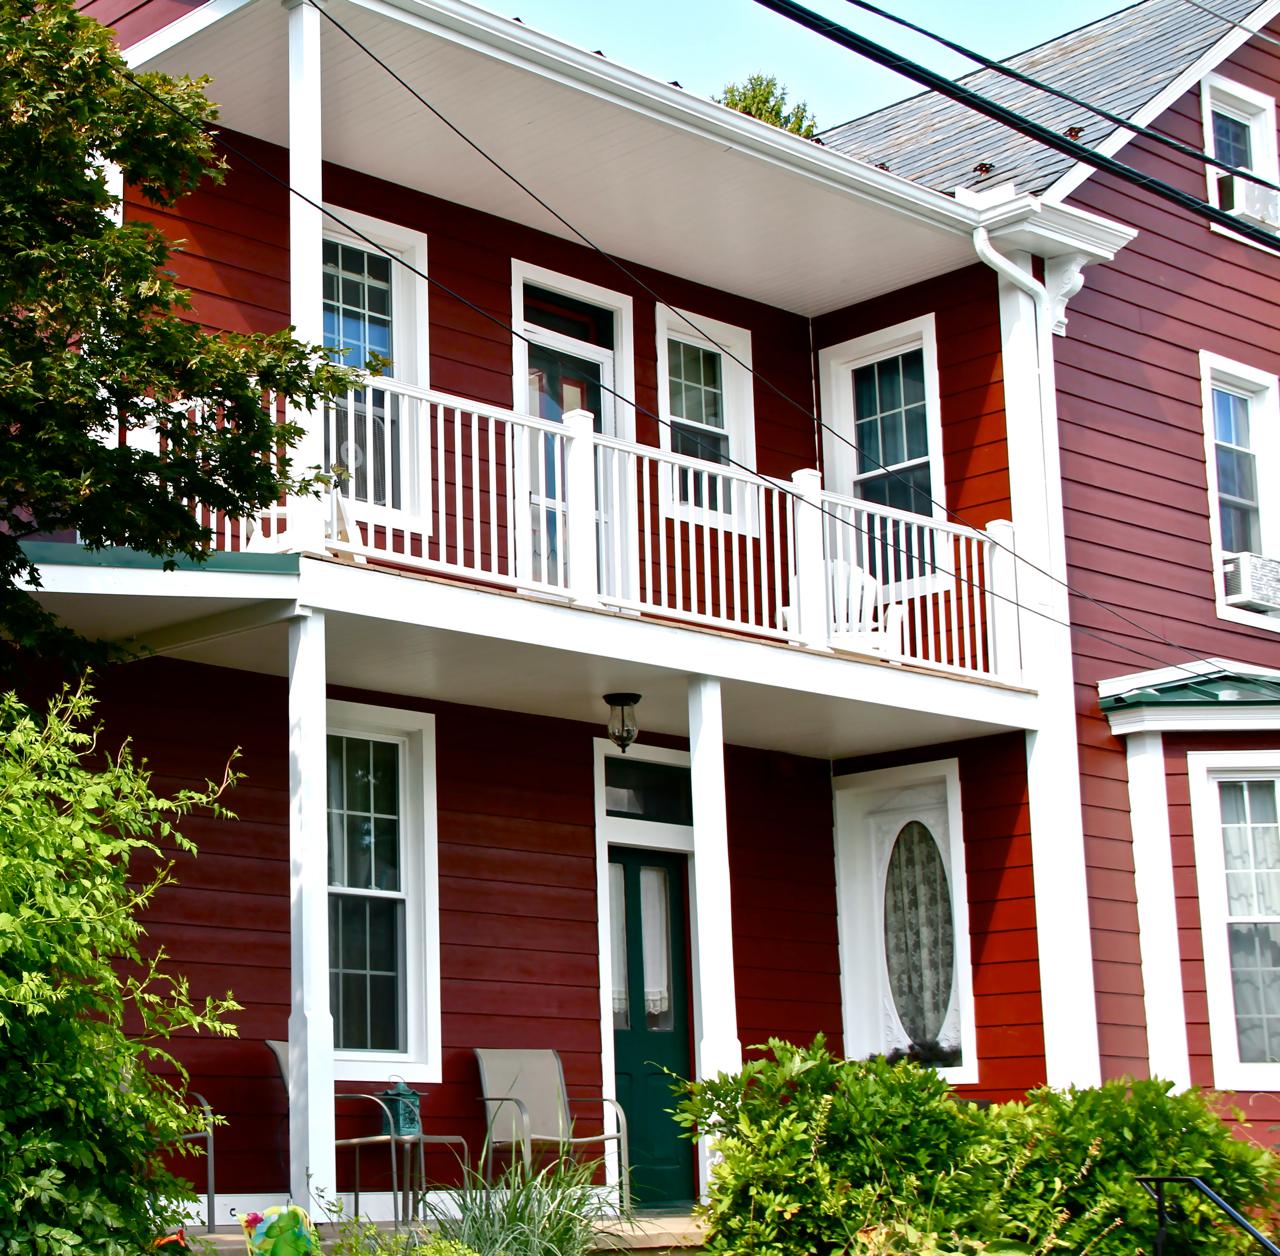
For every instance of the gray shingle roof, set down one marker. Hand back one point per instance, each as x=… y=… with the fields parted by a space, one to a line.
x=1119 y=62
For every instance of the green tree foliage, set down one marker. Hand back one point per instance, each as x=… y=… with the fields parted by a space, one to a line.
x=93 y=339
x=761 y=97
x=84 y=1015
x=821 y=1155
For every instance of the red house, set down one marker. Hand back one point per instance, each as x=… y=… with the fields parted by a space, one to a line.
x=960 y=697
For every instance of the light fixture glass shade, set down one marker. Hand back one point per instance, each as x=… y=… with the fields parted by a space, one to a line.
x=622 y=718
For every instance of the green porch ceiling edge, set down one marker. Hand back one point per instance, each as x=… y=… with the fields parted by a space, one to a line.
x=69 y=554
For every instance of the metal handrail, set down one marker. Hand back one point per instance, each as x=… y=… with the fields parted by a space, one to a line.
x=1154 y=1186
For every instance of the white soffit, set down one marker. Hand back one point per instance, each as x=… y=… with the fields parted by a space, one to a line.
x=807 y=232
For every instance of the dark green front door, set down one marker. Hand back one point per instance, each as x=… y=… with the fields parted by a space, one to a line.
x=651 y=1016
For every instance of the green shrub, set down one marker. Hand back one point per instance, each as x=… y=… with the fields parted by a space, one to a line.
x=820 y=1155
x=83 y=1123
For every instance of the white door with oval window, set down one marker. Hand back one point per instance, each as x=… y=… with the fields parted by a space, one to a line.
x=904 y=921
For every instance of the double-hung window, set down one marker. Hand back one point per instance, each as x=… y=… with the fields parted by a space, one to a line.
x=1234 y=798
x=1242 y=461
x=880 y=395
x=374 y=308
x=706 y=402
x=383 y=930
x=1240 y=129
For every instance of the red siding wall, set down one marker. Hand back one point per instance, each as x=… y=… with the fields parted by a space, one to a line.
x=1261 y=1109
x=970 y=379
x=519 y=958
x=136 y=19
x=1002 y=922
x=1135 y=490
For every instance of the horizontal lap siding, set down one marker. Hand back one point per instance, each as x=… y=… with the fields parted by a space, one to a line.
x=1261 y=1109
x=133 y=20
x=1135 y=492
x=782 y=868
x=1002 y=917
x=970 y=380
x=518 y=913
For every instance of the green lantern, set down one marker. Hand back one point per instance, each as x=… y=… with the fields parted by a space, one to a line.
x=405 y=1107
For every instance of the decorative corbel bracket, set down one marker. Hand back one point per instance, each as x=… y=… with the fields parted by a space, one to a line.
x=1063 y=278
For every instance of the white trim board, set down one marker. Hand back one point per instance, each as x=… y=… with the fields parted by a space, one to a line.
x=1115 y=685
x=1168 y=1054
x=1229 y=43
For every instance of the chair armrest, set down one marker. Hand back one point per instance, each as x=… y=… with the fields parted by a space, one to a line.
x=522 y=1111
x=354 y=1094
x=206 y=1132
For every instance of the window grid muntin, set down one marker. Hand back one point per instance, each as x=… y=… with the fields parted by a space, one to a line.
x=1232 y=138
x=343 y=895
x=1254 y=931
x=891 y=432
x=358 y=302
x=1236 y=461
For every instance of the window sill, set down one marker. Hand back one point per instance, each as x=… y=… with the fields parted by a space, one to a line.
x=370 y=1066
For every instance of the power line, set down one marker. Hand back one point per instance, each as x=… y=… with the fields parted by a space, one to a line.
x=657 y=297
x=1230 y=21
x=944 y=86
x=727 y=460
x=501 y=323
x=1009 y=72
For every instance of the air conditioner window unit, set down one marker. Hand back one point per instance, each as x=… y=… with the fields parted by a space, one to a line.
x=1252 y=582
x=1250 y=201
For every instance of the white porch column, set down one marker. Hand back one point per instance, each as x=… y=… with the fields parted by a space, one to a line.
x=580 y=491
x=306 y=516
x=1068 y=1002
x=1168 y=1054
x=719 y=1050
x=311 y=1121
x=811 y=621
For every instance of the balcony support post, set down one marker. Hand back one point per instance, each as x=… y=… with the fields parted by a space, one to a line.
x=1002 y=581
x=312 y=1168
x=809 y=620
x=719 y=1050
x=306 y=515
x=580 y=493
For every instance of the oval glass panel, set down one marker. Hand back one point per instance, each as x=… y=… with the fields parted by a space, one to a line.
x=919 y=933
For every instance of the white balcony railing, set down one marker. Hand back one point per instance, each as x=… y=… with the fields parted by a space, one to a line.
x=438 y=483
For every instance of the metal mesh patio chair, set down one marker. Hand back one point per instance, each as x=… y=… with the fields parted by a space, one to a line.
x=527 y=1105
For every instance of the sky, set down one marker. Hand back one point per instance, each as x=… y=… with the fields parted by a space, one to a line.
x=704 y=44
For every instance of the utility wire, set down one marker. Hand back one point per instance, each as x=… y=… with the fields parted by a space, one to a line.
x=636 y=279
x=944 y=86
x=1008 y=71
x=505 y=326
x=1230 y=21
x=728 y=460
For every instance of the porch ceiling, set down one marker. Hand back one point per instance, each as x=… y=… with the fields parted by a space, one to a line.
x=515 y=654
x=653 y=175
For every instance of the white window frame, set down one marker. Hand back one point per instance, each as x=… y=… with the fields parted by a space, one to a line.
x=864 y=987
x=1263 y=392
x=421 y=1060
x=410 y=350
x=1258 y=111
x=836 y=365
x=736 y=381
x=1204 y=770
x=623 y=425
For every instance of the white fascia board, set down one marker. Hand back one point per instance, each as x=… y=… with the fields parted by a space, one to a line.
x=183 y=582
x=536 y=53
x=179 y=31
x=1030 y=224
x=1226 y=718
x=452 y=607
x=1232 y=40
x=1164 y=675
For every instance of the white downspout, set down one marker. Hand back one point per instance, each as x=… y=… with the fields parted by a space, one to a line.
x=1067 y=991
